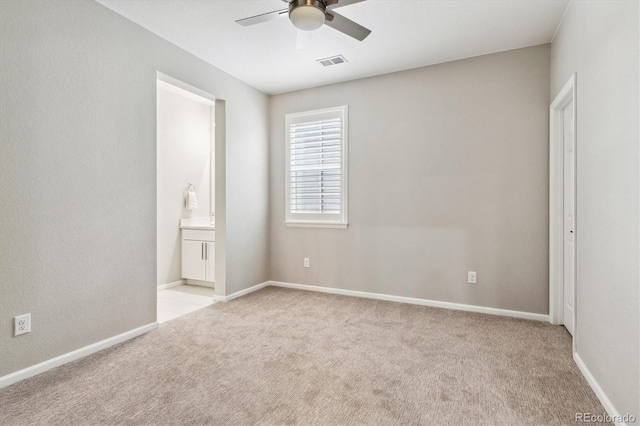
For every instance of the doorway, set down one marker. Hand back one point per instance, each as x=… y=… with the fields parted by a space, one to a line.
x=185 y=175
x=562 y=229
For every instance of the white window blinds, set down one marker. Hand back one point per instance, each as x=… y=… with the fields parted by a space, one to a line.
x=315 y=167
x=316 y=172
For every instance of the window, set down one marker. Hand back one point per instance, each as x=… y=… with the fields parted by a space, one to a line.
x=316 y=162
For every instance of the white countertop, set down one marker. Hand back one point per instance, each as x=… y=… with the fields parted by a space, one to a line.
x=202 y=223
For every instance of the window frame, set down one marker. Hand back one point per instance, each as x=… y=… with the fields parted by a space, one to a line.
x=309 y=220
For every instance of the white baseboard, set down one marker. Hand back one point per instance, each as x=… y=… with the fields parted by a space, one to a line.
x=604 y=400
x=415 y=301
x=207 y=284
x=169 y=285
x=12 y=378
x=241 y=292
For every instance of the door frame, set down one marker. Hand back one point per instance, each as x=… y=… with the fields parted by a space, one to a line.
x=218 y=198
x=556 y=204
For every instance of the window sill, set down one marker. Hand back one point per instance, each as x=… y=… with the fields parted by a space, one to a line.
x=310 y=224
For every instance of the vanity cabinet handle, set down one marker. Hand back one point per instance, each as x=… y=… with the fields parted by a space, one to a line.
x=206 y=251
x=202 y=251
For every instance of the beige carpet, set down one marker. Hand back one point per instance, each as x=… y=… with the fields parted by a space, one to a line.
x=282 y=356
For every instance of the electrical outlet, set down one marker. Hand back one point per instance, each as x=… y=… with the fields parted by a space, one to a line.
x=306 y=262
x=472 y=278
x=22 y=324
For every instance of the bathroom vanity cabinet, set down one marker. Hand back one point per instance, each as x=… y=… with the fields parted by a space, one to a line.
x=198 y=254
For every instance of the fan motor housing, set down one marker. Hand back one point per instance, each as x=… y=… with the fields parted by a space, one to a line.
x=318 y=4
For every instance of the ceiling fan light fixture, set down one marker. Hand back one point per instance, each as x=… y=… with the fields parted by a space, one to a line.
x=307 y=15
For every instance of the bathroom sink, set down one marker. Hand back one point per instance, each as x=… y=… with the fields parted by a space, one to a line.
x=197 y=223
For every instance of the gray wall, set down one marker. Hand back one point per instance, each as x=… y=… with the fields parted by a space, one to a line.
x=599 y=40
x=448 y=173
x=78 y=181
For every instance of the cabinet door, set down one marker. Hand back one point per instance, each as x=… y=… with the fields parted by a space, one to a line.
x=193 y=263
x=211 y=261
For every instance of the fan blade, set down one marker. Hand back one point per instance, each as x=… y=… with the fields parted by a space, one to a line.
x=334 y=4
x=265 y=17
x=347 y=26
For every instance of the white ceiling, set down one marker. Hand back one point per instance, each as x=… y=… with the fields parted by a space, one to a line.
x=405 y=34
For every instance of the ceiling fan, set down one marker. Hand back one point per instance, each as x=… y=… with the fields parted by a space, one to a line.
x=309 y=15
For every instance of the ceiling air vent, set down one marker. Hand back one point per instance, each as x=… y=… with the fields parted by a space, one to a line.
x=334 y=60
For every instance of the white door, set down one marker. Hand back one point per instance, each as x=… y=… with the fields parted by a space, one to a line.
x=569 y=207
x=193 y=264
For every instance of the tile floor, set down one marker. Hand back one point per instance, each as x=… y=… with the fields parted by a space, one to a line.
x=184 y=299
